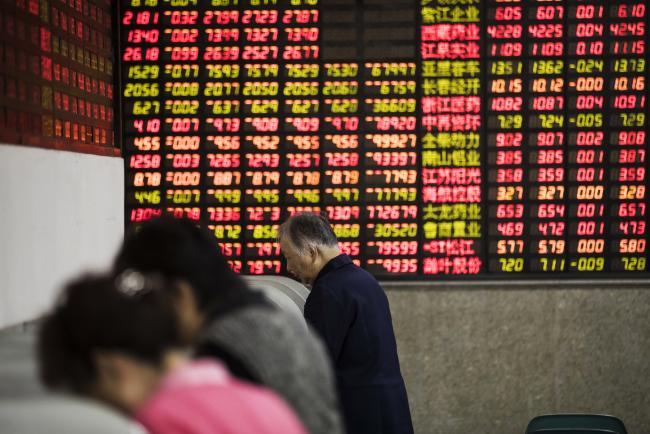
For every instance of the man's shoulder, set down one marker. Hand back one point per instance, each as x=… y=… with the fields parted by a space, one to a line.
x=347 y=279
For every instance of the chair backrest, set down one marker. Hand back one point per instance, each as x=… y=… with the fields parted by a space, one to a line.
x=286 y=293
x=576 y=424
x=573 y=431
x=59 y=414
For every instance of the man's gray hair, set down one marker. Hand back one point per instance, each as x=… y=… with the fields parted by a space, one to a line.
x=308 y=230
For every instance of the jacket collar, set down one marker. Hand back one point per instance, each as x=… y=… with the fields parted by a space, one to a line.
x=334 y=264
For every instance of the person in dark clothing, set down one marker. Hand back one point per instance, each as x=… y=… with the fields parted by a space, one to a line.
x=222 y=318
x=350 y=311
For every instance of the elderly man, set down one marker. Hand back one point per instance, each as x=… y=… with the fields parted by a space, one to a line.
x=350 y=311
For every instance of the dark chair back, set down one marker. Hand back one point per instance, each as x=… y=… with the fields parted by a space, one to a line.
x=573 y=431
x=576 y=424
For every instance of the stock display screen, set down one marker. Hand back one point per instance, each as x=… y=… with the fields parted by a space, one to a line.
x=452 y=138
x=56 y=74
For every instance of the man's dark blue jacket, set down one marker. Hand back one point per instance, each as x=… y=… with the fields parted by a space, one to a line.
x=349 y=310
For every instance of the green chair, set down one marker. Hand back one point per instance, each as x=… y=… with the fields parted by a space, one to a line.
x=576 y=424
x=574 y=431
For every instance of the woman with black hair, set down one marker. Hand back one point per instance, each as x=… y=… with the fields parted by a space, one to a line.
x=116 y=340
x=224 y=319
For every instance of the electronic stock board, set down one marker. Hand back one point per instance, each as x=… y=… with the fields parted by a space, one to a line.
x=56 y=74
x=442 y=138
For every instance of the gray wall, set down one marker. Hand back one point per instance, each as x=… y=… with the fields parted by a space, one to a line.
x=487 y=359
x=60 y=213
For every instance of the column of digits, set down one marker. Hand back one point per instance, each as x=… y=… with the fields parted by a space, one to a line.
x=341 y=144
x=587 y=127
x=261 y=97
x=625 y=42
x=180 y=109
x=142 y=111
x=546 y=141
x=391 y=166
x=222 y=144
x=506 y=142
x=302 y=100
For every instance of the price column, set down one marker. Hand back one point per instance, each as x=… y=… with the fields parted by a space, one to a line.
x=507 y=191
x=451 y=121
x=626 y=44
x=301 y=102
x=341 y=168
x=261 y=102
x=588 y=147
x=141 y=110
x=546 y=141
x=391 y=167
x=181 y=117
x=340 y=145
x=221 y=141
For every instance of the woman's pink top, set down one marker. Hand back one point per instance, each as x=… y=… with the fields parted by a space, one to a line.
x=202 y=398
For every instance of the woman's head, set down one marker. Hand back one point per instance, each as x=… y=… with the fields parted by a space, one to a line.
x=108 y=338
x=178 y=249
